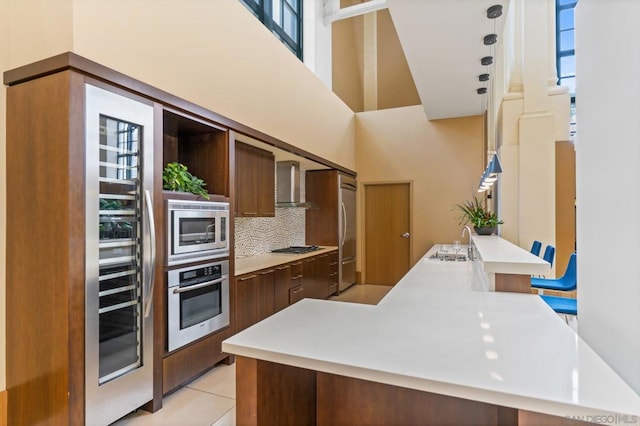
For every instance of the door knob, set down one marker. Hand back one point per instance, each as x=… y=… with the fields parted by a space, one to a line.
x=405 y=235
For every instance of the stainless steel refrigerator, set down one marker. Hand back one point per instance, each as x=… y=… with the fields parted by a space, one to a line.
x=346 y=231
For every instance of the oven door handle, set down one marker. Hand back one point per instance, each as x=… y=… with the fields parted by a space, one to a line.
x=178 y=290
x=152 y=240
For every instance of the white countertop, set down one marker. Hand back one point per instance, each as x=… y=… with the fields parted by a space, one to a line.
x=245 y=265
x=438 y=330
x=500 y=256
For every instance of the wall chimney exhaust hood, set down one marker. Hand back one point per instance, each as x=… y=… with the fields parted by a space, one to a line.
x=288 y=185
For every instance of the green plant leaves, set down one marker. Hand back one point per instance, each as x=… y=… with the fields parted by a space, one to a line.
x=176 y=177
x=473 y=211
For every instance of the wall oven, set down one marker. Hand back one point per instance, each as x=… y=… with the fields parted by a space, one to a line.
x=197 y=230
x=198 y=302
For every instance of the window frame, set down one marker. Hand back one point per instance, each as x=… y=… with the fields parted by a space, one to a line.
x=262 y=9
x=564 y=53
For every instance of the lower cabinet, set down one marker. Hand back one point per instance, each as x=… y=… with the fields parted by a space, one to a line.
x=265 y=294
x=262 y=293
x=332 y=271
x=282 y=287
x=246 y=301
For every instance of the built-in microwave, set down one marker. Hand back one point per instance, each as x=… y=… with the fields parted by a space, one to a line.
x=197 y=230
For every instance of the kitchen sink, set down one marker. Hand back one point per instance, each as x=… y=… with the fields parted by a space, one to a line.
x=449 y=257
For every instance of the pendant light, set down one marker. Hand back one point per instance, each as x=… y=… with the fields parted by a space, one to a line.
x=490 y=175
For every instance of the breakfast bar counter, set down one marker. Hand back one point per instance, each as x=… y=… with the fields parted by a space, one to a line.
x=440 y=348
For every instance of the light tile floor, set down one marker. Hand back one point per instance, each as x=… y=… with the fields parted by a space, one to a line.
x=210 y=400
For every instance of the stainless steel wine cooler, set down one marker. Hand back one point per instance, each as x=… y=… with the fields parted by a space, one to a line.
x=120 y=255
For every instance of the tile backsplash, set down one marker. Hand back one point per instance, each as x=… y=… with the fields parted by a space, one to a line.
x=255 y=235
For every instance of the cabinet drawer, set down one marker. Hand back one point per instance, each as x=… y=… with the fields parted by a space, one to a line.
x=296 y=282
x=333 y=288
x=333 y=258
x=296 y=294
x=296 y=270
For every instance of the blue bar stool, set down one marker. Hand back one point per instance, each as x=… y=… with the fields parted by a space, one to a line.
x=549 y=254
x=536 y=247
x=562 y=305
x=565 y=283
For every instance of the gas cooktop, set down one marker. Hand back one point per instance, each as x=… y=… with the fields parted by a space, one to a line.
x=296 y=249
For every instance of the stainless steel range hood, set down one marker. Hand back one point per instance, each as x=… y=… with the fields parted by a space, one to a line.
x=288 y=185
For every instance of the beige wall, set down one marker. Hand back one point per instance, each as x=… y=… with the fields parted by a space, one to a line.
x=217 y=55
x=347 y=61
x=442 y=158
x=396 y=87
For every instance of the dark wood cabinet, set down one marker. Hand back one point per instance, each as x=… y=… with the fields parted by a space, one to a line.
x=282 y=286
x=265 y=294
x=262 y=293
x=314 y=277
x=246 y=301
x=323 y=275
x=332 y=271
x=255 y=181
x=321 y=224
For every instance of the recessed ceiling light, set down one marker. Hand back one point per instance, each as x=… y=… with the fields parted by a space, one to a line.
x=483 y=77
x=487 y=60
x=490 y=39
x=494 y=11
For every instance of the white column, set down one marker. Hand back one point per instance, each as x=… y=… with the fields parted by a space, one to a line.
x=608 y=177
x=528 y=129
x=316 y=40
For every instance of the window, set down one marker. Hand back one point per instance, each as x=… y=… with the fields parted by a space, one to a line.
x=283 y=18
x=565 y=49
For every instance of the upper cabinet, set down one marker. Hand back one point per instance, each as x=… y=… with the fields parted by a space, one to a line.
x=255 y=181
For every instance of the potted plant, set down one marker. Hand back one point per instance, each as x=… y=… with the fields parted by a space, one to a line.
x=176 y=177
x=473 y=211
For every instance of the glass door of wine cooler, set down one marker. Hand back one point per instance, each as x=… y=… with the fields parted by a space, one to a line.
x=120 y=255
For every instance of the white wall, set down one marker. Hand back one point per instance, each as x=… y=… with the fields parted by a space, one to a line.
x=608 y=176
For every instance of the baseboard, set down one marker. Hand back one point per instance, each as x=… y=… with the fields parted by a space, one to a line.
x=3 y=408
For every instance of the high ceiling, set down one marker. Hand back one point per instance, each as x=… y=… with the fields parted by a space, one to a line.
x=443 y=43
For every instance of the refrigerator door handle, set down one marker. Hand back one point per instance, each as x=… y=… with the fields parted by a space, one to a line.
x=152 y=237
x=344 y=225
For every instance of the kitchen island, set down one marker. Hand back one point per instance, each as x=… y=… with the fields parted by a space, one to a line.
x=440 y=348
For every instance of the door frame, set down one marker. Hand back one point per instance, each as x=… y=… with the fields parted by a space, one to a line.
x=363 y=217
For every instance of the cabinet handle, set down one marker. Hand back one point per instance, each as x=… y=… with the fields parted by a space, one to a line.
x=296 y=277
x=297 y=263
x=250 y=277
x=266 y=272
x=248 y=214
x=297 y=291
x=282 y=268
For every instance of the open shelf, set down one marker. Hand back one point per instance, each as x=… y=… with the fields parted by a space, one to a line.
x=200 y=146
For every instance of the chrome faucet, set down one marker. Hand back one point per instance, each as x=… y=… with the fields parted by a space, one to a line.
x=469 y=247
